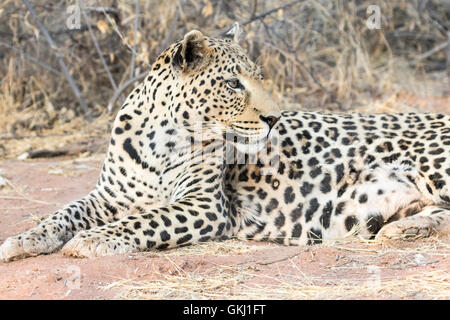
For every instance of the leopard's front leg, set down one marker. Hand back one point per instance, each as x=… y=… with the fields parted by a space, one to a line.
x=190 y=220
x=53 y=232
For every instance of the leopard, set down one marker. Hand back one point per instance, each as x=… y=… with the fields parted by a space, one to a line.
x=200 y=151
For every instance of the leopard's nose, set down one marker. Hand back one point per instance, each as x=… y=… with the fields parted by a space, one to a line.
x=270 y=120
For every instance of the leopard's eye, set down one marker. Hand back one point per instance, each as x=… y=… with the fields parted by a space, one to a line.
x=235 y=84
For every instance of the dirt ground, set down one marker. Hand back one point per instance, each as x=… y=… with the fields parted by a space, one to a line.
x=351 y=269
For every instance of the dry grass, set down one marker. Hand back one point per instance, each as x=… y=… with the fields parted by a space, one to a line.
x=215 y=248
x=230 y=284
x=343 y=281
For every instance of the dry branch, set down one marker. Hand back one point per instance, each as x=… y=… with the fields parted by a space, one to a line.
x=52 y=44
x=97 y=47
x=32 y=59
x=173 y=25
x=119 y=91
x=133 y=52
x=261 y=15
x=429 y=53
x=266 y=13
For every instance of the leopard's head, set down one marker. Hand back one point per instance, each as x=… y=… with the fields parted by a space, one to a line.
x=216 y=86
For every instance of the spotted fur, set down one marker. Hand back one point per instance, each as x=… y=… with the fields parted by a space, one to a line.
x=290 y=177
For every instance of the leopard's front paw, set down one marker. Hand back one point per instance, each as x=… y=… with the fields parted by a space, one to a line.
x=12 y=249
x=28 y=244
x=88 y=244
x=407 y=229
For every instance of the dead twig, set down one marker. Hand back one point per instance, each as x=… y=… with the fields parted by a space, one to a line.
x=112 y=11
x=261 y=15
x=356 y=249
x=171 y=29
x=28 y=36
x=266 y=13
x=282 y=259
x=45 y=153
x=118 y=92
x=21 y=194
x=429 y=53
x=133 y=52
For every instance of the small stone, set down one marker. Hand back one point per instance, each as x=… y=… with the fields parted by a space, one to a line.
x=2 y=182
x=23 y=156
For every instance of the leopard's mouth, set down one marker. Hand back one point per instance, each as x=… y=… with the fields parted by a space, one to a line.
x=246 y=142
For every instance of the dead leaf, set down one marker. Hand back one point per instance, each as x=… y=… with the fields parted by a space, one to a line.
x=208 y=9
x=130 y=37
x=103 y=26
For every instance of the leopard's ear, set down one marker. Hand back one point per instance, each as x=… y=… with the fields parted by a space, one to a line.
x=193 y=53
x=234 y=32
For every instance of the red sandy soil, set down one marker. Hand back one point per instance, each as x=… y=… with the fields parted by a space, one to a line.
x=407 y=270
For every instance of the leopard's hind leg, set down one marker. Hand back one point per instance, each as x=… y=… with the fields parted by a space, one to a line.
x=430 y=220
x=386 y=203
